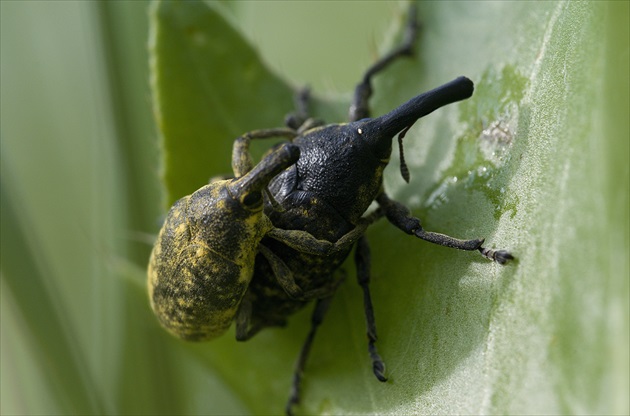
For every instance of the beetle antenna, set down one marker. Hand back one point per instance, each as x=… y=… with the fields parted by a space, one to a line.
x=274 y=204
x=404 y=170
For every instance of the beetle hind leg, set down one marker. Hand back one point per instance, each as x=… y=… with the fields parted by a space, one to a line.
x=321 y=307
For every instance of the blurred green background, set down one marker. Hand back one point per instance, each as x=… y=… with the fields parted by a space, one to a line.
x=81 y=203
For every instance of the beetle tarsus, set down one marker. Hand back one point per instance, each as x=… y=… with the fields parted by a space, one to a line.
x=378 y=366
x=499 y=256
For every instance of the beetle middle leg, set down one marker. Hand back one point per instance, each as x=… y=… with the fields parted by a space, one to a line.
x=362 y=262
x=401 y=217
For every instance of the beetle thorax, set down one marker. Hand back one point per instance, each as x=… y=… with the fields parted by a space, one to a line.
x=341 y=168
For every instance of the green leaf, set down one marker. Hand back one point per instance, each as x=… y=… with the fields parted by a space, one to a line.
x=530 y=163
x=209 y=88
x=44 y=323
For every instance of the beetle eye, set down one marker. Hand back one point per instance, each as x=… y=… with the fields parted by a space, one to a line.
x=252 y=199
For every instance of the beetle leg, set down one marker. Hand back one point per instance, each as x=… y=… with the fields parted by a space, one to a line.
x=363 y=91
x=401 y=217
x=241 y=158
x=244 y=327
x=243 y=321
x=302 y=241
x=362 y=262
x=299 y=119
x=283 y=274
x=316 y=319
x=500 y=256
x=284 y=277
x=305 y=242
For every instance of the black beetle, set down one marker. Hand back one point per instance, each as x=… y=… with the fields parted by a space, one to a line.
x=314 y=214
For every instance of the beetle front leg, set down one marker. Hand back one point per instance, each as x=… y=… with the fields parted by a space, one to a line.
x=241 y=158
x=316 y=319
x=362 y=262
x=300 y=120
x=401 y=217
x=363 y=91
x=305 y=242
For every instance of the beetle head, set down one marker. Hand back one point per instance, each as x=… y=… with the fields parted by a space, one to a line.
x=247 y=189
x=380 y=130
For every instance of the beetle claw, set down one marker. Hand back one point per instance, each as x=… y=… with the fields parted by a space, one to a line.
x=499 y=256
x=379 y=370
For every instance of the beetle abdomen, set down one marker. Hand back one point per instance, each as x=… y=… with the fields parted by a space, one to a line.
x=197 y=298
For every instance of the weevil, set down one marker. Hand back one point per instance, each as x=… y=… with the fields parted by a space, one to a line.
x=201 y=264
x=203 y=259
x=257 y=248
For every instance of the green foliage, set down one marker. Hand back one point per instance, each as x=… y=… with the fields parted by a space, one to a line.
x=208 y=85
x=536 y=161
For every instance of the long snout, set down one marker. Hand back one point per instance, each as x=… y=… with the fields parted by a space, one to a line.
x=260 y=176
x=382 y=129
